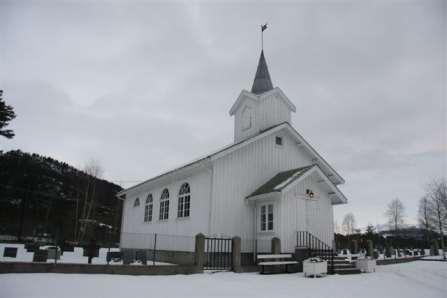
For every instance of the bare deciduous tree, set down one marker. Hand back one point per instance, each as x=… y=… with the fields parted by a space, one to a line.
x=395 y=214
x=93 y=171
x=424 y=212
x=348 y=223
x=437 y=196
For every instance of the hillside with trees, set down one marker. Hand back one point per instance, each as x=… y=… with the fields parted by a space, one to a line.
x=42 y=196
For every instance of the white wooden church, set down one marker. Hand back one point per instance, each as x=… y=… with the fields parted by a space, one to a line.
x=270 y=182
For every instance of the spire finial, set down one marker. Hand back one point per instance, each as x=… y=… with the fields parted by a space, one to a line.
x=263 y=28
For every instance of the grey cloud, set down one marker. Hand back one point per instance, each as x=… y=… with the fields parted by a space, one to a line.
x=144 y=87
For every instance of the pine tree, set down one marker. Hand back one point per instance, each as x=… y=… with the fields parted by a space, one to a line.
x=6 y=115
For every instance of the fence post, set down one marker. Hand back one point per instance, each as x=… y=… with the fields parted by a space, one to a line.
x=236 y=254
x=154 y=251
x=276 y=246
x=199 y=251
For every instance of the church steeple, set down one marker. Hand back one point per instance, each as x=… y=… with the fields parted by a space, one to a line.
x=262 y=82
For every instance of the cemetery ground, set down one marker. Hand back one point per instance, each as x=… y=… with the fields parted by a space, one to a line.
x=415 y=279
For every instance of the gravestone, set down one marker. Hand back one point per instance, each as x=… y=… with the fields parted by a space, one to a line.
x=40 y=255
x=10 y=252
x=54 y=253
x=113 y=256
x=128 y=256
x=141 y=255
x=31 y=247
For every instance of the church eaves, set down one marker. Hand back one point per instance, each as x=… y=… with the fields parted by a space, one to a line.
x=262 y=82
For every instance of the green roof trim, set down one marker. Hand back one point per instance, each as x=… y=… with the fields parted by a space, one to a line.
x=280 y=181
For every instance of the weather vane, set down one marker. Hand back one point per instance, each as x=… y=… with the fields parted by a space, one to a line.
x=263 y=28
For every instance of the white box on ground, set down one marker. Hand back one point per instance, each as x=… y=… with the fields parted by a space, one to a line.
x=314 y=269
x=366 y=265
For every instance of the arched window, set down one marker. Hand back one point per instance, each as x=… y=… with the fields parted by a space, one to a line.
x=148 y=208
x=136 y=203
x=164 y=205
x=184 y=201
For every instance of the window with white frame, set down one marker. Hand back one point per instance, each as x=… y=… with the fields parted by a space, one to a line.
x=184 y=201
x=148 y=208
x=164 y=205
x=266 y=217
x=136 y=203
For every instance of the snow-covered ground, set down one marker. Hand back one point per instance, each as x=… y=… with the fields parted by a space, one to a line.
x=416 y=279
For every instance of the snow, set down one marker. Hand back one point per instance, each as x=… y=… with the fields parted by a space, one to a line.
x=440 y=257
x=416 y=279
x=288 y=180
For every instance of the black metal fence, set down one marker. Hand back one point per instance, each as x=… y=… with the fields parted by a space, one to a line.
x=156 y=249
x=218 y=253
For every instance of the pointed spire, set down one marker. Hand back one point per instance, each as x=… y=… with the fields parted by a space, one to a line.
x=262 y=82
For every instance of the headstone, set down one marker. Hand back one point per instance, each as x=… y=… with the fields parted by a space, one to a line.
x=54 y=253
x=113 y=256
x=31 y=247
x=40 y=255
x=128 y=256
x=141 y=255
x=10 y=252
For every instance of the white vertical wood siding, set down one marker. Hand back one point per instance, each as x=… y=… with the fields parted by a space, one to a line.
x=239 y=173
x=272 y=111
x=136 y=233
x=269 y=111
x=300 y=214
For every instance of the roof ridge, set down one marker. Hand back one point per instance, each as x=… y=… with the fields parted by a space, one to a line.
x=199 y=159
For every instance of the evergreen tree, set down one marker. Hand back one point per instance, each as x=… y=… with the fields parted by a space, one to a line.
x=6 y=115
x=41 y=195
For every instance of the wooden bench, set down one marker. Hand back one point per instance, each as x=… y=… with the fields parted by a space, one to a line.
x=275 y=260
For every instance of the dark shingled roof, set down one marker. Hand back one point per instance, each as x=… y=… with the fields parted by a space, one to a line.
x=262 y=82
x=272 y=184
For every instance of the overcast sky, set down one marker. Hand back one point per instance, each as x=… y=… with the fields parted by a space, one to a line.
x=143 y=87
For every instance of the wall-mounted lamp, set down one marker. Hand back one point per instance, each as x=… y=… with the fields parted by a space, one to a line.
x=309 y=193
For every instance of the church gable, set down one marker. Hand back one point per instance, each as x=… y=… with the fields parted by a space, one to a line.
x=287 y=180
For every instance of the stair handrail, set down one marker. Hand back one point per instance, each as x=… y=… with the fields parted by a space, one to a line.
x=309 y=240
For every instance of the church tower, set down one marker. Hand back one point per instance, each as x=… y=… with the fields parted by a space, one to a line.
x=265 y=106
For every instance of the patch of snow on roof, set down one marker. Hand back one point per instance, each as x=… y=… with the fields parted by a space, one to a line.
x=290 y=179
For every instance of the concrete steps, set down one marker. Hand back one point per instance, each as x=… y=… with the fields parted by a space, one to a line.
x=342 y=266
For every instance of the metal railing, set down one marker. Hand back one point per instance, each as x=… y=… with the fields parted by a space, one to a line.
x=316 y=248
x=218 y=253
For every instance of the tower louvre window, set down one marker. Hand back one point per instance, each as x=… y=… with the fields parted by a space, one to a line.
x=278 y=141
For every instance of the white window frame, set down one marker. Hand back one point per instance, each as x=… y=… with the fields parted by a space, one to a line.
x=149 y=208
x=164 y=205
x=184 y=201
x=265 y=210
x=136 y=203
